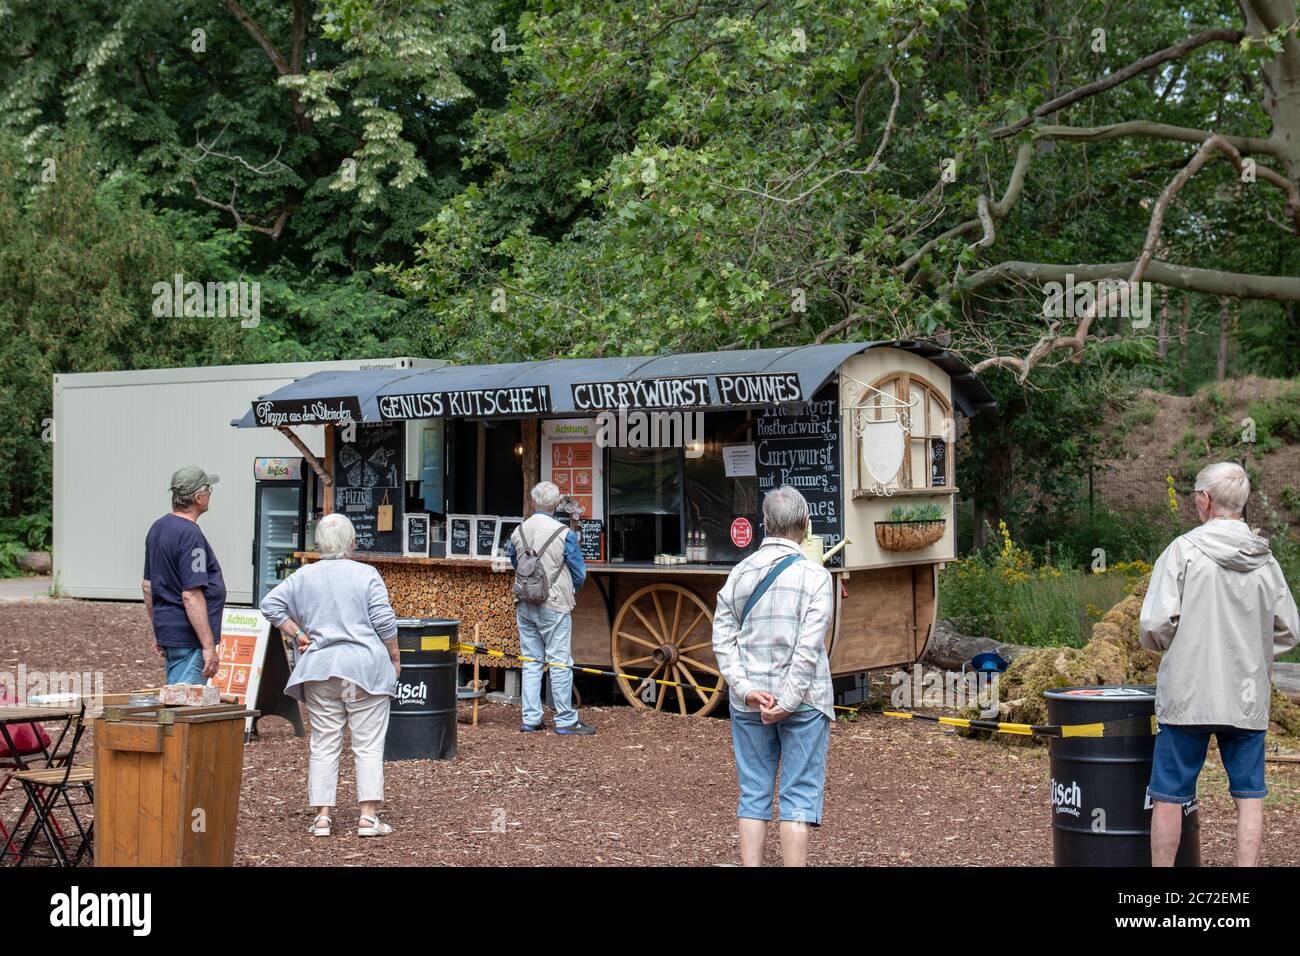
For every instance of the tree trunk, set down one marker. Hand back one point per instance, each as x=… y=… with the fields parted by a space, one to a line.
x=1225 y=322
x=950 y=649
x=1162 y=334
x=1182 y=343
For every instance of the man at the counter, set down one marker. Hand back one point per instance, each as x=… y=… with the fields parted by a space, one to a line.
x=546 y=629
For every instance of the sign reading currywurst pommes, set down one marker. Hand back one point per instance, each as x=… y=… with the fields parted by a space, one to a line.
x=467 y=403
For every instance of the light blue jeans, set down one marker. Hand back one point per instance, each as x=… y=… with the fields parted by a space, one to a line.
x=546 y=634
x=184 y=665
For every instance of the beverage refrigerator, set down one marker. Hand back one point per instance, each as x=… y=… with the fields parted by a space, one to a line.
x=281 y=518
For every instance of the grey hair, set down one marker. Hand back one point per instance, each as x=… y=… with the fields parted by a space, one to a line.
x=183 y=502
x=335 y=536
x=1227 y=485
x=785 y=512
x=545 y=495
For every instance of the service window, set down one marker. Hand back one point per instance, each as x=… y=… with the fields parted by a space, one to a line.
x=714 y=500
x=645 y=503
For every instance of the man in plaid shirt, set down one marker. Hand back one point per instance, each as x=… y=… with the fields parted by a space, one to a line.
x=769 y=636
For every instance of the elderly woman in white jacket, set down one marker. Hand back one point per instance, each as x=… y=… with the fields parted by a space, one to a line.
x=338 y=611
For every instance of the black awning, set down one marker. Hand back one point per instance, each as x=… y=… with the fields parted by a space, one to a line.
x=583 y=387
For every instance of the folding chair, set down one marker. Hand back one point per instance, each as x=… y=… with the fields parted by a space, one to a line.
x=17 y=757
x=49 y=788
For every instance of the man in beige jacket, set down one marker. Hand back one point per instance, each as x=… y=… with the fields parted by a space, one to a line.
x=1220 y=610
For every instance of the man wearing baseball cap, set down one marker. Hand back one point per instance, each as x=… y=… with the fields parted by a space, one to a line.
x=184 y=592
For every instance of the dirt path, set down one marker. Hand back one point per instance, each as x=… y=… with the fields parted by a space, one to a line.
x=648 y=789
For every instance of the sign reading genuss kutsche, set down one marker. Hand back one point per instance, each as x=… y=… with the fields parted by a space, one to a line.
x=467 y=403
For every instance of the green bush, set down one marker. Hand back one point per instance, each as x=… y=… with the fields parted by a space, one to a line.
x=1208 y=404
x=1277 y=420
x=1071 y=537
x=1054 y=609
x=19 y=535
x=1285 y=544
x=1000 y=592
x=1290 y=499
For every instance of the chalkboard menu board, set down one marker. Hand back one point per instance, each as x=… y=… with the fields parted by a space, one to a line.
x=591 y=537
x=460 y=536
x=417 y=535
x=505 y=528
x=485 y=535
x=800 y=446
x=368 y=473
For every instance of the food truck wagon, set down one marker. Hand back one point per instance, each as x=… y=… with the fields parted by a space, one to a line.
x=663 y=461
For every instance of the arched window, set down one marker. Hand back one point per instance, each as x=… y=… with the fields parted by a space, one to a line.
x=902 y=434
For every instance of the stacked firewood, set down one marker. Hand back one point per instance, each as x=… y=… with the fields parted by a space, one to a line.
x=471 y=595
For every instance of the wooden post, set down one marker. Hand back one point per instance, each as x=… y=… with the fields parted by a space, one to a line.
x=529 y=436
x=331 y=436
x=474 y=720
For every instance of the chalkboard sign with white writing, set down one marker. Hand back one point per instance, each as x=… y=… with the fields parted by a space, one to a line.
x=800 y=446
x=938 y=463
x=485 y=535
x=460 y=536
x=505 y=528
x=591 y=537
x=417 y=535
x=368 y=474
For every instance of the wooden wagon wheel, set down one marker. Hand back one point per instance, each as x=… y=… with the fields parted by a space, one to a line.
x=665 y=632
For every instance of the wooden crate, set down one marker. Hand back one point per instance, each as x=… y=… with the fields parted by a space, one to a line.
x=167 y=785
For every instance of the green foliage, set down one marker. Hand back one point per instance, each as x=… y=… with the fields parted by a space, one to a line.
x=1076 y=532
x=1284 y=542
x=928 y=512
x=1290 y=500
x=1000 y=592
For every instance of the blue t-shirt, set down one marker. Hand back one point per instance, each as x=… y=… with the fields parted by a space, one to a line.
x=177 y=557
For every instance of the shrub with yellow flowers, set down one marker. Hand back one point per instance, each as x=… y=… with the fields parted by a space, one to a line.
x=1003 y=593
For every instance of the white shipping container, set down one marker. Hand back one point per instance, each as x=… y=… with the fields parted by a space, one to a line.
x=118 y=436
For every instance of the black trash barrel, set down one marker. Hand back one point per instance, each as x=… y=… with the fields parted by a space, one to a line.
x=422 y=723
x=1101 y=815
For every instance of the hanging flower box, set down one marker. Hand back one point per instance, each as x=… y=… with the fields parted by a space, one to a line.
x=909 y=535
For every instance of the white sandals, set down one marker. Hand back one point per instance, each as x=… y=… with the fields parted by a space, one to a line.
x=373 y=827
x=322 y=826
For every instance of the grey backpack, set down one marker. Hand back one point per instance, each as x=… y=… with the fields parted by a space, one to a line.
x=531 y=584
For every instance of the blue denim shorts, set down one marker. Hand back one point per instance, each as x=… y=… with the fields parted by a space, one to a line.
x=798 y=744
x=184 y=665
x=1180 y=755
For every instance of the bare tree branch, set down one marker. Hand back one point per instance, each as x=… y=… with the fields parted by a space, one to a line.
x=241 y=222
x=1140 y=267
x=1120 y=76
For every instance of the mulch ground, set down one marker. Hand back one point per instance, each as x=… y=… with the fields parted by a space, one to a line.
x=647 y=789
